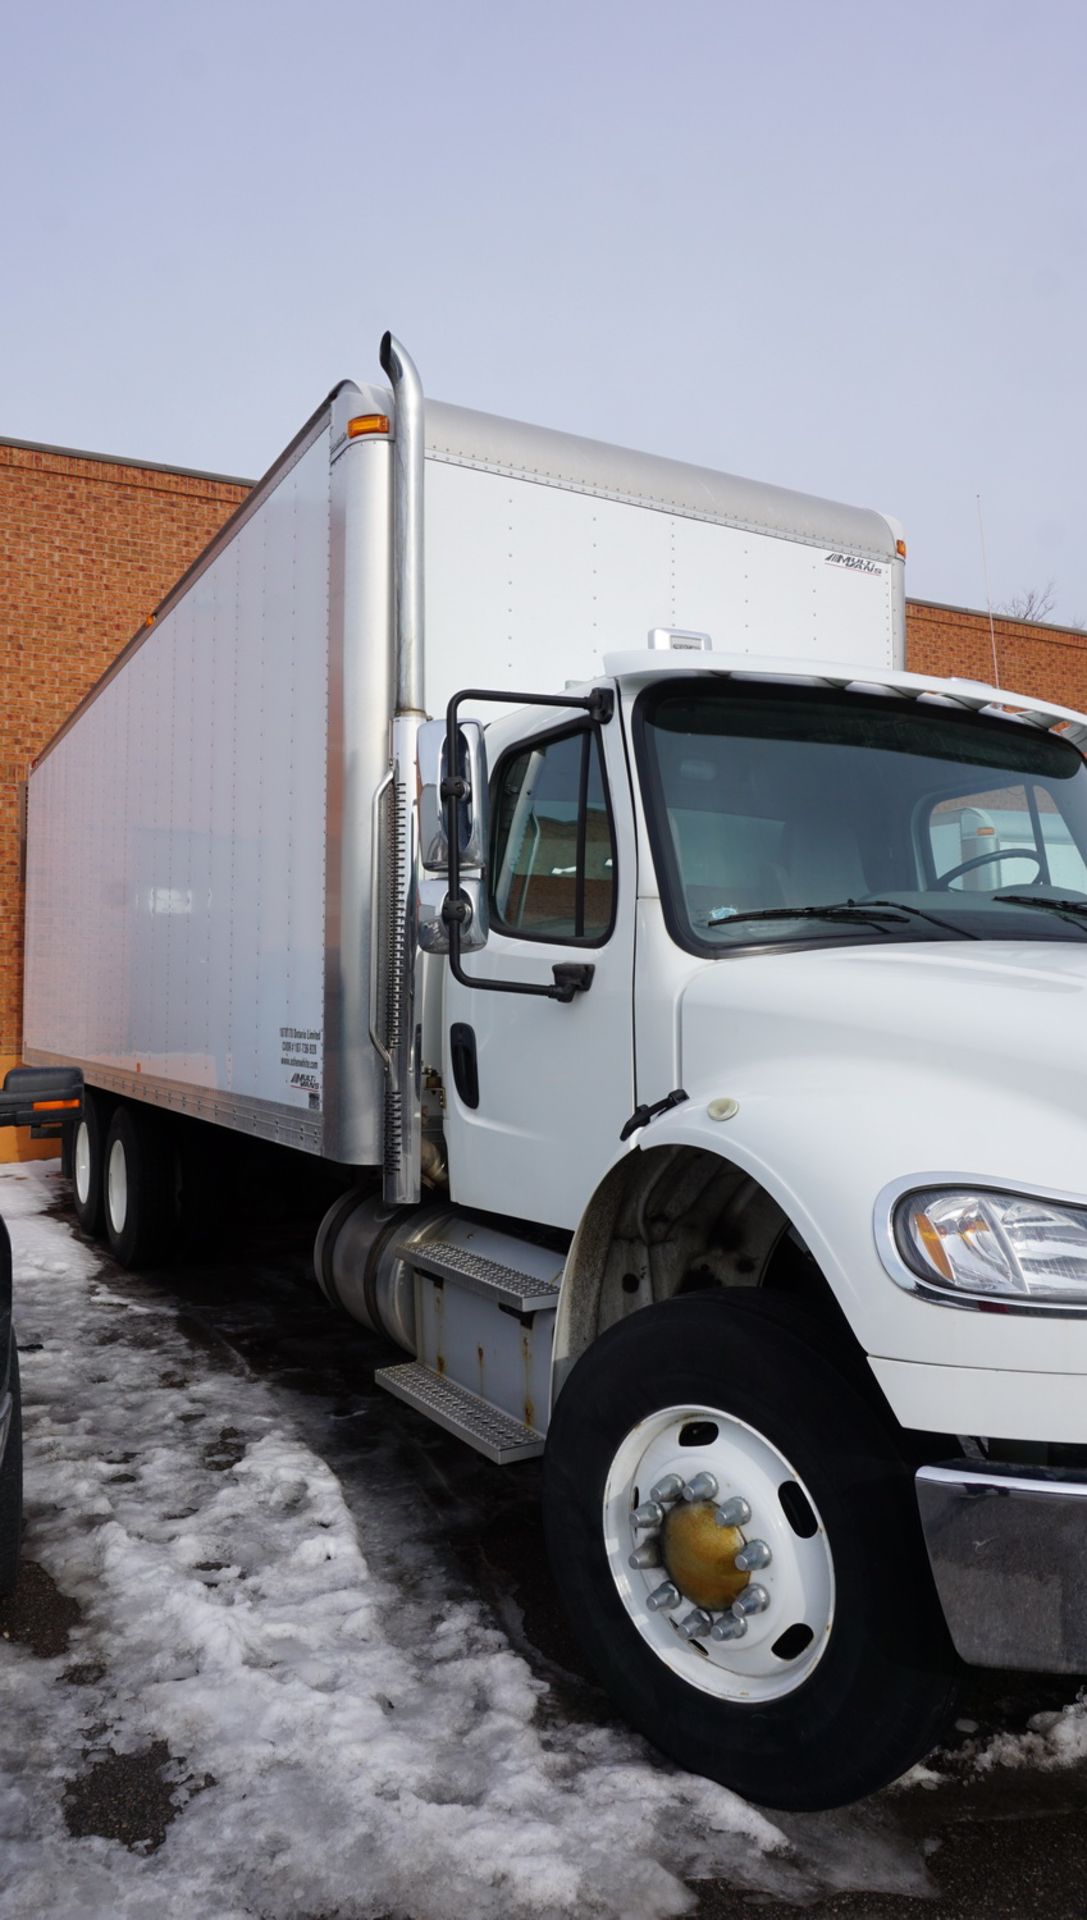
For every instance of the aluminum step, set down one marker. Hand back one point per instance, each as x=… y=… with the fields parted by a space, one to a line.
x=486 y=1428
x=478 y=1272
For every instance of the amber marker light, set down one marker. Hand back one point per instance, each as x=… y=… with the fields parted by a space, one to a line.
x=52 y=1106
x=367 y=423
x=930 y=1240
x=900 y=549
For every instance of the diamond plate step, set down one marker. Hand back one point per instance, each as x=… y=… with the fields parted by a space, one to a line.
x=509 y=1286
x=486 y=1428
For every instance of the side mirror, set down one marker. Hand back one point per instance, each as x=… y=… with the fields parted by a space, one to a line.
x=435 y=908
x=473 y=810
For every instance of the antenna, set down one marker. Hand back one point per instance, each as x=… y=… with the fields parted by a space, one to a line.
x=988 y=592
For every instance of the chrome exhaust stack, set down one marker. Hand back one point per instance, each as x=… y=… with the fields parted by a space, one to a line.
x=409 y=451
x=402 y=1178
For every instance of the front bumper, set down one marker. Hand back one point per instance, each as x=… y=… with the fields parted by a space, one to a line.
x=1008 y=1547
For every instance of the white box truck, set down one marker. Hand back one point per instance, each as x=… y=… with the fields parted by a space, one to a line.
x=695 y=1022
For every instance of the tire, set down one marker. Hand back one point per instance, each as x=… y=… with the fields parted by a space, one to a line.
x=88 y=1160
x=11 y=1486
x=841 y=1675
x=138 y=1187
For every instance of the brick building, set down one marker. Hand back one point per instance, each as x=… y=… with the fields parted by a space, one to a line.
x=89 y=544
x=1041 y=660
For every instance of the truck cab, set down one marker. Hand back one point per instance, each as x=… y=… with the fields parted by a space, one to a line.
x=782 y=1118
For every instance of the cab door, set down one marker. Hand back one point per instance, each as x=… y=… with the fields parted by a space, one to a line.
x=537 y=1091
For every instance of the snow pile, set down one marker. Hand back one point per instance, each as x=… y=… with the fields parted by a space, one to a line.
x=1052 y=1740
x=344 y=1746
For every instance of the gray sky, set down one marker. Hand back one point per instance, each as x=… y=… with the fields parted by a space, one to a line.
x=836 y=246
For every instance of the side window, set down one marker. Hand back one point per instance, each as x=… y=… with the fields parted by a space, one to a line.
x=553 y=856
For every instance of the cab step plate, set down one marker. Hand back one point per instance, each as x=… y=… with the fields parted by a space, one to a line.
x=443 y=1260
x=486 y=1428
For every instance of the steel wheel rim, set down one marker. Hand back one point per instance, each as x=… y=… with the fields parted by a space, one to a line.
x=82 y=1163
x=799 y=1579
x=117 y=1187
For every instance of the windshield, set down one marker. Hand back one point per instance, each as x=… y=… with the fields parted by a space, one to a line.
x=919 y=819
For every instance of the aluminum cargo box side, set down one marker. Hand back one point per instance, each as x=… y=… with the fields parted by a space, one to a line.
x=199 y=832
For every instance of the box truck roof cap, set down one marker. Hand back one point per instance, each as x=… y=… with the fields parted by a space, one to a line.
x=462 y=436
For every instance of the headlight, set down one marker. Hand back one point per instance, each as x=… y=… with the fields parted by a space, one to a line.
x=1004 y=1244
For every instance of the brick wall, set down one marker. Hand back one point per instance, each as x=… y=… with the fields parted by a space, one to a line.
x=87 y=547
x=1046 y=662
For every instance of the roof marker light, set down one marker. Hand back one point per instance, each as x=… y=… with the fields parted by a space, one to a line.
x=679 y=640
x=367 y=423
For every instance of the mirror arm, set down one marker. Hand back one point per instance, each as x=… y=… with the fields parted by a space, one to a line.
x=568 y=980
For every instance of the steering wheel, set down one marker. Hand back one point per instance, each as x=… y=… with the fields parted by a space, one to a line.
x=984 y=859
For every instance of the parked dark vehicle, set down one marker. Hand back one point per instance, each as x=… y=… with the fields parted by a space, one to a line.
x=45 y=1099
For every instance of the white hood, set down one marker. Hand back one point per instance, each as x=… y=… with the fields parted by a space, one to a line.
x=948 y=1049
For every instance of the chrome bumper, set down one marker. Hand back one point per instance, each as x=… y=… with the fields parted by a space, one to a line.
x=1008 y=1547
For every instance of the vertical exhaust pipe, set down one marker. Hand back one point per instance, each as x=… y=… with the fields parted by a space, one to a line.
x=409 y=449
x=402 y=1184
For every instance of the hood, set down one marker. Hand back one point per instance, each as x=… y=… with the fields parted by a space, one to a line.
x=950 y=1032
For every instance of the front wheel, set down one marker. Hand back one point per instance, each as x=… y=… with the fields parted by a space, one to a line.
x=736 y=1538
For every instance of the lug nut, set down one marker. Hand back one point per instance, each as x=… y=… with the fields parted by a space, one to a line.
x=751 y=1557
x=753 y=1599
x=702 y=1487
x=669 y=1488
x=647 y=1555
x=649 y=1514
x=663 y=1599
x=696 y=1624
x=734 y=1512
x=728 y=1627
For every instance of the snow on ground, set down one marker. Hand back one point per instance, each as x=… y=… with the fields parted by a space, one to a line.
x=374 y=1748
x=1052 y=1740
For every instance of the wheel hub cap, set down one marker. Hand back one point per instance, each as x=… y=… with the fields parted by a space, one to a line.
x=700 y=1556
x=83 y=1162
x=719 y=1556
x=117 y=1187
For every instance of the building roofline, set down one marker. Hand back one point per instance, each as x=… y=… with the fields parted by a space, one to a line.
x=1007 y=619
x=120 y=460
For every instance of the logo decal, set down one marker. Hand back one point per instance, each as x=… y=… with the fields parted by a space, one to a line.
x=853 y=563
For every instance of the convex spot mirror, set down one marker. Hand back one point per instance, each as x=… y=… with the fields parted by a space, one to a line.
x=473 y=811
x=433 y=923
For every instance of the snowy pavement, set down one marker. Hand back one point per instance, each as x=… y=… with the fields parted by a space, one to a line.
x=271 y=1615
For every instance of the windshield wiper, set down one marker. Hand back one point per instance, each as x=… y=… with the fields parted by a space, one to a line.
x=934 y=920
x=858 y=912
x=1076 y=908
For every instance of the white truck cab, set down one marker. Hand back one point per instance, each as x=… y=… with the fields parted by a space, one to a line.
x=698 y=1039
